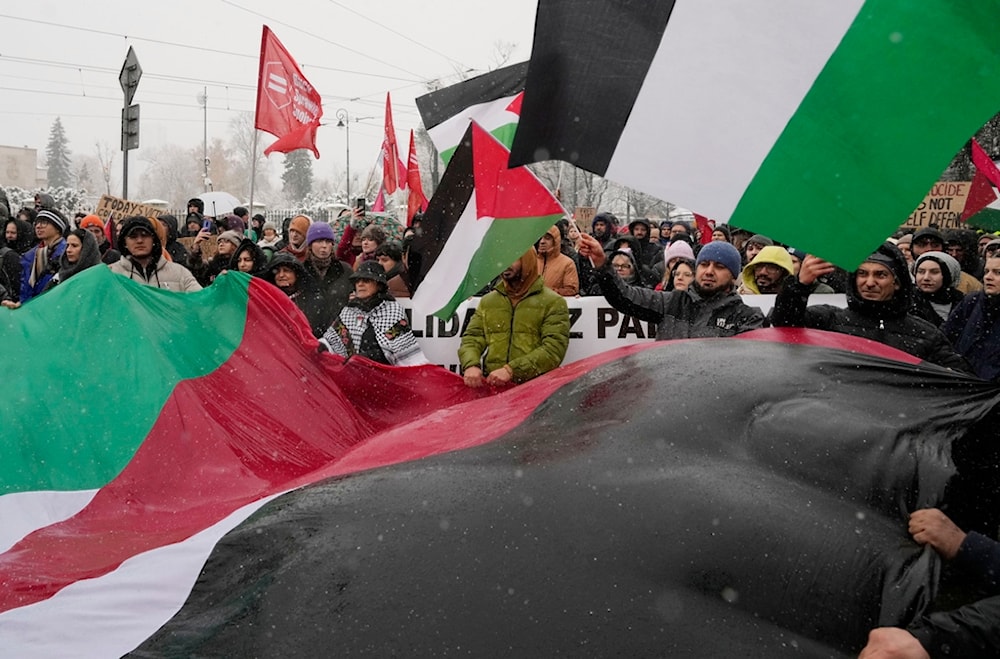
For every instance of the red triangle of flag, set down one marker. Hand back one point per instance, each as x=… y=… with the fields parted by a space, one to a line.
x=504 y=193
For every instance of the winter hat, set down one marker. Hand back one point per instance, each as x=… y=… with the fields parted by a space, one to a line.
x=723 y=253
x=300 y=223
x=724 y=229
x=233 y=237
x=950 y=267
x=906 y=238
x=138 y=222
x=319 y=231
x=270 y=225
x=770 y=254
x=678 y=249
x=797 y=253
x=54 y=218
x=372 y=270
x=929 y=232
x=91 y=221
x=235 y=223
x=760 y=239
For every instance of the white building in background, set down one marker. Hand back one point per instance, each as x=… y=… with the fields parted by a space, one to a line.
x=19 y=168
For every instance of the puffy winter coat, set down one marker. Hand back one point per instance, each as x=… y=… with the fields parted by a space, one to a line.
x=531 y=337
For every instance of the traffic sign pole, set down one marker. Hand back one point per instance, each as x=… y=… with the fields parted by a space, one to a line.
x=129 y=80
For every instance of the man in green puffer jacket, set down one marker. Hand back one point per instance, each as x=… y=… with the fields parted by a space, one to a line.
x=519 y=331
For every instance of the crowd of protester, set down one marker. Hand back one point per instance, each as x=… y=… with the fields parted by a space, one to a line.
x=941 y=302
x=933 y=294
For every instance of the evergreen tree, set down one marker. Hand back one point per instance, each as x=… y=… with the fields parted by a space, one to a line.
x=297 y=178
x=57 y=157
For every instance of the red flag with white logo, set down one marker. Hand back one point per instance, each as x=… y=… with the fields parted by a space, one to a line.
x=417 y=201
x=393 y=169
x=288 y=106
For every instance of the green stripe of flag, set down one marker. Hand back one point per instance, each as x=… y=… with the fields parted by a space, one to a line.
x=105 y=381
x=503 y=244
x=853 y=147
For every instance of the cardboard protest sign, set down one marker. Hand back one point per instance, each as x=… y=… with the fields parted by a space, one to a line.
x=942 y=206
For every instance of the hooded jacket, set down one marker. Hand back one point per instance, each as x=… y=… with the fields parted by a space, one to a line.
x=935 y=307
x=887 y=322
x=178 y=252
x=779 y=256
x=256 y=253
x=646 y=252
x=90 y=255
x=629 y=243
x=530 y=336
x=558 y=270
x=160 y=272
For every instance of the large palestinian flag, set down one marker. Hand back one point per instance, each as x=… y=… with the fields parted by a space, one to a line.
x=821 y=124
x=482 y=217
x=492 y=100
x=233 y=493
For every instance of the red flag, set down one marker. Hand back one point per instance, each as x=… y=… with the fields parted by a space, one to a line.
x=288 y=107
x=379 y=206
x=393 y=169
x=417 y=201
x=705 y=228
x=981 y=192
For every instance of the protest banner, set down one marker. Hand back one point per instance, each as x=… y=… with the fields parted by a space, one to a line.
x=595 y=327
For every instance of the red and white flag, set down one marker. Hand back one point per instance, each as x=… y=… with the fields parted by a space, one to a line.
x=417 y=201
x=393 y=169
x=288 y=106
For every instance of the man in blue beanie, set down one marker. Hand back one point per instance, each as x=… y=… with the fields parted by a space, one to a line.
x=710 y=307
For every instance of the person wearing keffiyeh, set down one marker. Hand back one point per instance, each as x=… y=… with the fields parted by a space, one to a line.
x=41 y=262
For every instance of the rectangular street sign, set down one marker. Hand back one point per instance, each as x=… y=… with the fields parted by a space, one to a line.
x=130 y=127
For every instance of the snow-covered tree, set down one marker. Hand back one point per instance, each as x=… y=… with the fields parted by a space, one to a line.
x=57 y=158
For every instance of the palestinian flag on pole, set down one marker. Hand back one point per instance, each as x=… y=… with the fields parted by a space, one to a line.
x=820 y=124
x=492 y=100
x=481 y=219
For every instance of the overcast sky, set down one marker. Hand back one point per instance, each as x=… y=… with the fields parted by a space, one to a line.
x=62 y=59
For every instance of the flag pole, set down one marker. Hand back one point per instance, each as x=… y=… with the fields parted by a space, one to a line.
x=253 y=179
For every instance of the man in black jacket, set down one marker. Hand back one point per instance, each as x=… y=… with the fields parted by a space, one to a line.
x=709 y=308
x=879 y=295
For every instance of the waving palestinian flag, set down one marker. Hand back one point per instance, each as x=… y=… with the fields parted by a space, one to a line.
x=481 y=219
x=492 y=100
x=821 y=124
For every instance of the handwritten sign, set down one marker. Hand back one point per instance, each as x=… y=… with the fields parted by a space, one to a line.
x=117 y=209
x=942 y=206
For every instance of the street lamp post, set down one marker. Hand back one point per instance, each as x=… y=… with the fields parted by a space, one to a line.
x=344 y=121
